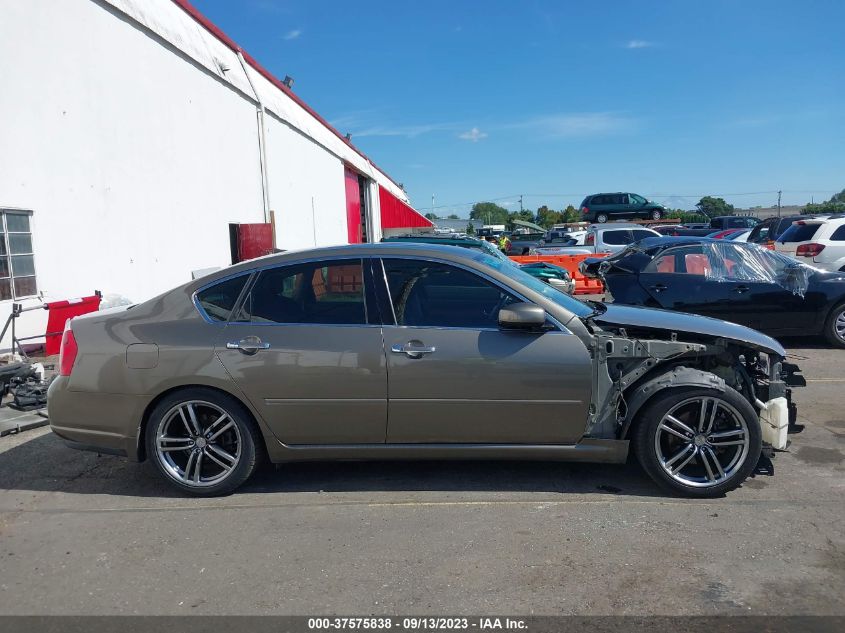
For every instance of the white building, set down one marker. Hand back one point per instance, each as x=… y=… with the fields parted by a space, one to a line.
x=133 y=133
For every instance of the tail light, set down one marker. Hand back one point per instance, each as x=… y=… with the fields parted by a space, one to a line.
x=809 y=250
x=67 y=353
x=590 y=239
x=585 y=210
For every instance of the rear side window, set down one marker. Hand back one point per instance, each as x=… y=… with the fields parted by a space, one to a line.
x=799 y=233
x=598 y=200
x=616 y=237
x=219 y=300
x=838 y=234
x=640 y=234
x=315 y=293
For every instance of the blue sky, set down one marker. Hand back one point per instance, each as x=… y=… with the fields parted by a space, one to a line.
x=473 y=101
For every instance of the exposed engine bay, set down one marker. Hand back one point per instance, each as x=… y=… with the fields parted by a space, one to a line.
x=630 y=365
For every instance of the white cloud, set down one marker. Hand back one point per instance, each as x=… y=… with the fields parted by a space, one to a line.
x=474 y=135
x=292 y=35
x=639 y=44
x=569 y=125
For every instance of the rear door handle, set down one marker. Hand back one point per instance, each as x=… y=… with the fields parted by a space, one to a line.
x=249 y=345
x=413 y=349
x=659 y=287
x=741 y=289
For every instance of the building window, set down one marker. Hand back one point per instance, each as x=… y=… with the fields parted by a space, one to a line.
x=17 y=261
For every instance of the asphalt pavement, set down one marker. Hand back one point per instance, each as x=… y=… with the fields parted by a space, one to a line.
x=88 y=534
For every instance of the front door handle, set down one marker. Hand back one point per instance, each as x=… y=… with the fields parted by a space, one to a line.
x=659 y=287
x=413 y=349
x=249 y=345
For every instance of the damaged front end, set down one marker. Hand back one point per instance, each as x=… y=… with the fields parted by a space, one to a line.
x=638 y=353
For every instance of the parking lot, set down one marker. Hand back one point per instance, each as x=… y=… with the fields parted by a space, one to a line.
x=88 y=534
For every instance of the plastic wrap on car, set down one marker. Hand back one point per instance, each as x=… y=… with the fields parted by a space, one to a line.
x=749 y=262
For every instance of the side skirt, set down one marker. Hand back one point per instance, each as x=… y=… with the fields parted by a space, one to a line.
x=587 y=450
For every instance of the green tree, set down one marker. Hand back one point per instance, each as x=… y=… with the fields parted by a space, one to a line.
x=452 y=216
x=431 y=216
x=836 y=204
x=570 y=214
x=470 y=229
x=546 y=217
x=713 y=207
x=489 y=213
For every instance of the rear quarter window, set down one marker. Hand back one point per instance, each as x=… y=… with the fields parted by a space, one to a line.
x=799 y=233
x=616 y=237
x=218 y=301
x=838 y=234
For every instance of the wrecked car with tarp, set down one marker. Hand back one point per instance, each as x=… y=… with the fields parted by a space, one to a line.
x=741 y=283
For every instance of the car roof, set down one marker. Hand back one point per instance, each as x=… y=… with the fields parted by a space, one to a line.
x=382 y=249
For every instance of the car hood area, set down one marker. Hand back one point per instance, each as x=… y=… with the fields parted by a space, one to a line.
x=681 y=322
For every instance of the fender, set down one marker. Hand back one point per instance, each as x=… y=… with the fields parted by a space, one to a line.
x=680 y=376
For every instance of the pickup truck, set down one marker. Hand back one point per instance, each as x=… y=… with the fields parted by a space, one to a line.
x=721 y=223
x=601 y=238
x=522 y=243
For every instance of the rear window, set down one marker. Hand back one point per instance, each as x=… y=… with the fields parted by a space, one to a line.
x=218 y=301
x=616 y=237
x=799 y=233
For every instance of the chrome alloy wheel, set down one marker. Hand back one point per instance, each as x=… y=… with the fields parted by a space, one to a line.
x=198 y=443
x=839 y=326
x=702 y=441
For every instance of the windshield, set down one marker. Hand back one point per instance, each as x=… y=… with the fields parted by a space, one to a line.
x=509 y=268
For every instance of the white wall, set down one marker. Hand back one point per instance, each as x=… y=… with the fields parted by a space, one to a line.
x=134 y=157
x=307 y=192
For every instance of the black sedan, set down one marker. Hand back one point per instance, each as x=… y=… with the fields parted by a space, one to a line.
x=742 y=283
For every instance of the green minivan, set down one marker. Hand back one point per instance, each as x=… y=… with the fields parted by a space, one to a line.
x=601 y=207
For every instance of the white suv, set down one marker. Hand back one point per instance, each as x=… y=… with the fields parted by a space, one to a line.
x=816 y=241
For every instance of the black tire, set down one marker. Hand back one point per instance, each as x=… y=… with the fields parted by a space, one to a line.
x=648 y=435
x=656 y=214
x=241 y=440
x=830 y=331
x=601 y=218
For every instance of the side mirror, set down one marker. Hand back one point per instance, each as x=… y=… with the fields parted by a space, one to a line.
x=522 y=316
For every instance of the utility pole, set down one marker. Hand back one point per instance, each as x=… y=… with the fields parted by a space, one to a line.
x=432 y=203
x=520 y=203
x=779 y=203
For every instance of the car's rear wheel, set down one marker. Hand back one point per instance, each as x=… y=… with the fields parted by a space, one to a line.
x=698 y=442
x=204 y=442
x=656 y=214
x=601 y=218
x=834 y=327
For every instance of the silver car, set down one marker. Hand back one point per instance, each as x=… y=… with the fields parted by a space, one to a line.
x=410 y=351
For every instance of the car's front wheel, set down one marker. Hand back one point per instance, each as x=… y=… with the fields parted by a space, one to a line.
x=601 y=218
x=204 y=442
x=698 y=442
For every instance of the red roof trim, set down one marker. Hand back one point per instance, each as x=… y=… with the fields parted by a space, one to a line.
x=396 y=214
x=212 y=28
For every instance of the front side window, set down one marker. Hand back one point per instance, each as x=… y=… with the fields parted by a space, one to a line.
x=314 y=293
x=641 y=234
x=635 y=199
x=17 y=260
x=432 y=294
x=219 y=300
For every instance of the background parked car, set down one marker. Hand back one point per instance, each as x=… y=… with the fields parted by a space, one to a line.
x=817 y=241
x=602 y=207
x=521 y=243
x=742 y=283
x=557 y=277
x=767 y=231
x=601 y=238
x=721 y=223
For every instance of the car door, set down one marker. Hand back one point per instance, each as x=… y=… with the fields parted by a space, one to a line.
x=455 y=377
x=713 y=282
x=305 y=354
